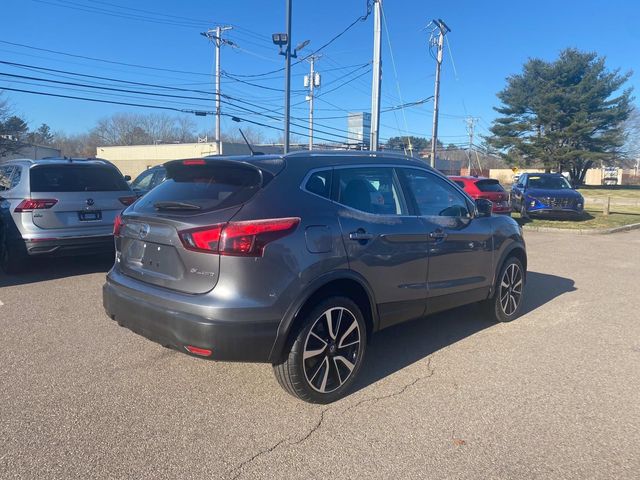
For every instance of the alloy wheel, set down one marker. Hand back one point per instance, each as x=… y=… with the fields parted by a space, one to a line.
x=511 y=289
x=331 y=349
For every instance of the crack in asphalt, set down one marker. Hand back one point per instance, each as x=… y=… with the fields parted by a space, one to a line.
x=239 y=468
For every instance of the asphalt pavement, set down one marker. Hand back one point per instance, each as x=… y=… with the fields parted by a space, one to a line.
x=553 y=395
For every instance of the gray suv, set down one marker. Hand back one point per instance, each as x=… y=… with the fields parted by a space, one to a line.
x=58 y=207
x=297 y=260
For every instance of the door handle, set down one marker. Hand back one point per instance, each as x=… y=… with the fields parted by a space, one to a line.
x=437 y=235
x=360 y=236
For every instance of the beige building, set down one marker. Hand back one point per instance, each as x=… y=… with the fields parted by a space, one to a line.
x=134 y=159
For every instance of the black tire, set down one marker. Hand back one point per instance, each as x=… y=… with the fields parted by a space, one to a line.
x=335 y=366
x=500 y=307
x=13 y=257
x=523 y=211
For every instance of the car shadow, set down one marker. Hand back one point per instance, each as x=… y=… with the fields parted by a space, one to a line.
x=43 y=269
x=583 y=217
x=399 y=346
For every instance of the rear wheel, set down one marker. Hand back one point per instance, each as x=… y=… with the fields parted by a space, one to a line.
x=13 y=257
x=506 y=303
x=326 y=354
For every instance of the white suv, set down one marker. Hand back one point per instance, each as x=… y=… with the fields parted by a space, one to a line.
x=58 y=207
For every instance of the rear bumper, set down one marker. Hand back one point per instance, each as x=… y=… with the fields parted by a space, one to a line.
x=64 y=246
x=172 y=326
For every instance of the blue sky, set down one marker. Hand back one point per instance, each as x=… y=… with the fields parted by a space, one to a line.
x=489 y=41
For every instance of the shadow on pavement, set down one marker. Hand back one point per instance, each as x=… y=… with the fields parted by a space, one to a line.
x=43 y=269
x=399 y=346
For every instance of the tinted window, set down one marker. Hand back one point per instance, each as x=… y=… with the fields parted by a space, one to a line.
x=372 y=190
x=320 y=183
x=76 y=178
x=552 y=183
x=489 y=186
x=459 y=183
x=5 y=178
x=158 y=177
x=143 y=181
x=204 y=188
x=434 y=196
x=17 y=175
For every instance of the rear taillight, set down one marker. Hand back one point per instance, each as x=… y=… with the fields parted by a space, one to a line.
x=38 y=204
x=238 y=238
x=127 y=200
x=117 y=225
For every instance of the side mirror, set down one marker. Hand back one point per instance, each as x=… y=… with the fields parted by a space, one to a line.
x=127 y=178
x=484 y=207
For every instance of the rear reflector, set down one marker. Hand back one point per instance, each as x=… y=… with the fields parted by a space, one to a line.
x=127 y=200
x=203 y=352
x=238 y=238
x=28 y=205
x=117 y=226
x=195 y=161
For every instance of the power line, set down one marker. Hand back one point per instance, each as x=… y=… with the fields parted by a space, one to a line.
x=361 y=18
x=84 y=57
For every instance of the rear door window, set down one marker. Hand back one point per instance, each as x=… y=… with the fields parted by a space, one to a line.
x=370 y=189
x=489 y=185
x=76 y=178
x=202 y=188
x=320 y=183
x=143 y=181
x=17 y=175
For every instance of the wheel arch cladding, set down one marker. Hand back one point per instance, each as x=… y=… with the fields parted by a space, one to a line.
x=345 y=286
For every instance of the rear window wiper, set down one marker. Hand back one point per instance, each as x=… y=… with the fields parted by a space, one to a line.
x=176 y=206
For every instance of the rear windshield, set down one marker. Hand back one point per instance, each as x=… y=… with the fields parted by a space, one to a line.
x=489 y=186
x=196 y=189
x=76 y=178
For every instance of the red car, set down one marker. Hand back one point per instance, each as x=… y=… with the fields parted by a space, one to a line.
x=482 y=187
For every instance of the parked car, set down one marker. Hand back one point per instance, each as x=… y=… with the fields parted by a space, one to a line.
x=545 y=194
x=489 y=188
x=297 y=260
x=148 y=179
x=58 y=207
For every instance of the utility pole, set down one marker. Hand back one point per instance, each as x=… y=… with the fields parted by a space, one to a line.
x=439 y=42
x=377 y=76
x=471 y=122
x=311 y=82
x=216 y=36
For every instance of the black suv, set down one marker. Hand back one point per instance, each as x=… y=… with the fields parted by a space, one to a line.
x=297 y=260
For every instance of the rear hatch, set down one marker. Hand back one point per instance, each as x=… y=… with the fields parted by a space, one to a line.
x=75 y=195
x=492 y=190
x=197 y=194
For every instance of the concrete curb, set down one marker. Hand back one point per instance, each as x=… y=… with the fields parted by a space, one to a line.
x=584 y=231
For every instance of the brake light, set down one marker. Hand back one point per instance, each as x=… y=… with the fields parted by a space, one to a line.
x=238 y=238
x=195 y=161
x=117 y=226
x=202 y=239
x=127 y=200
x=28 y=205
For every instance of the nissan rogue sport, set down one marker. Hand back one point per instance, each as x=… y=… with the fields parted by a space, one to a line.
x=297 y=260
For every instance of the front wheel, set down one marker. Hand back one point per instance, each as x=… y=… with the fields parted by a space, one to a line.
x=506 y=303
x=326 y=354
x=523 y=211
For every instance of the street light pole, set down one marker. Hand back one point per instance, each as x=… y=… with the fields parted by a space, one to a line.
x=287 y=77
